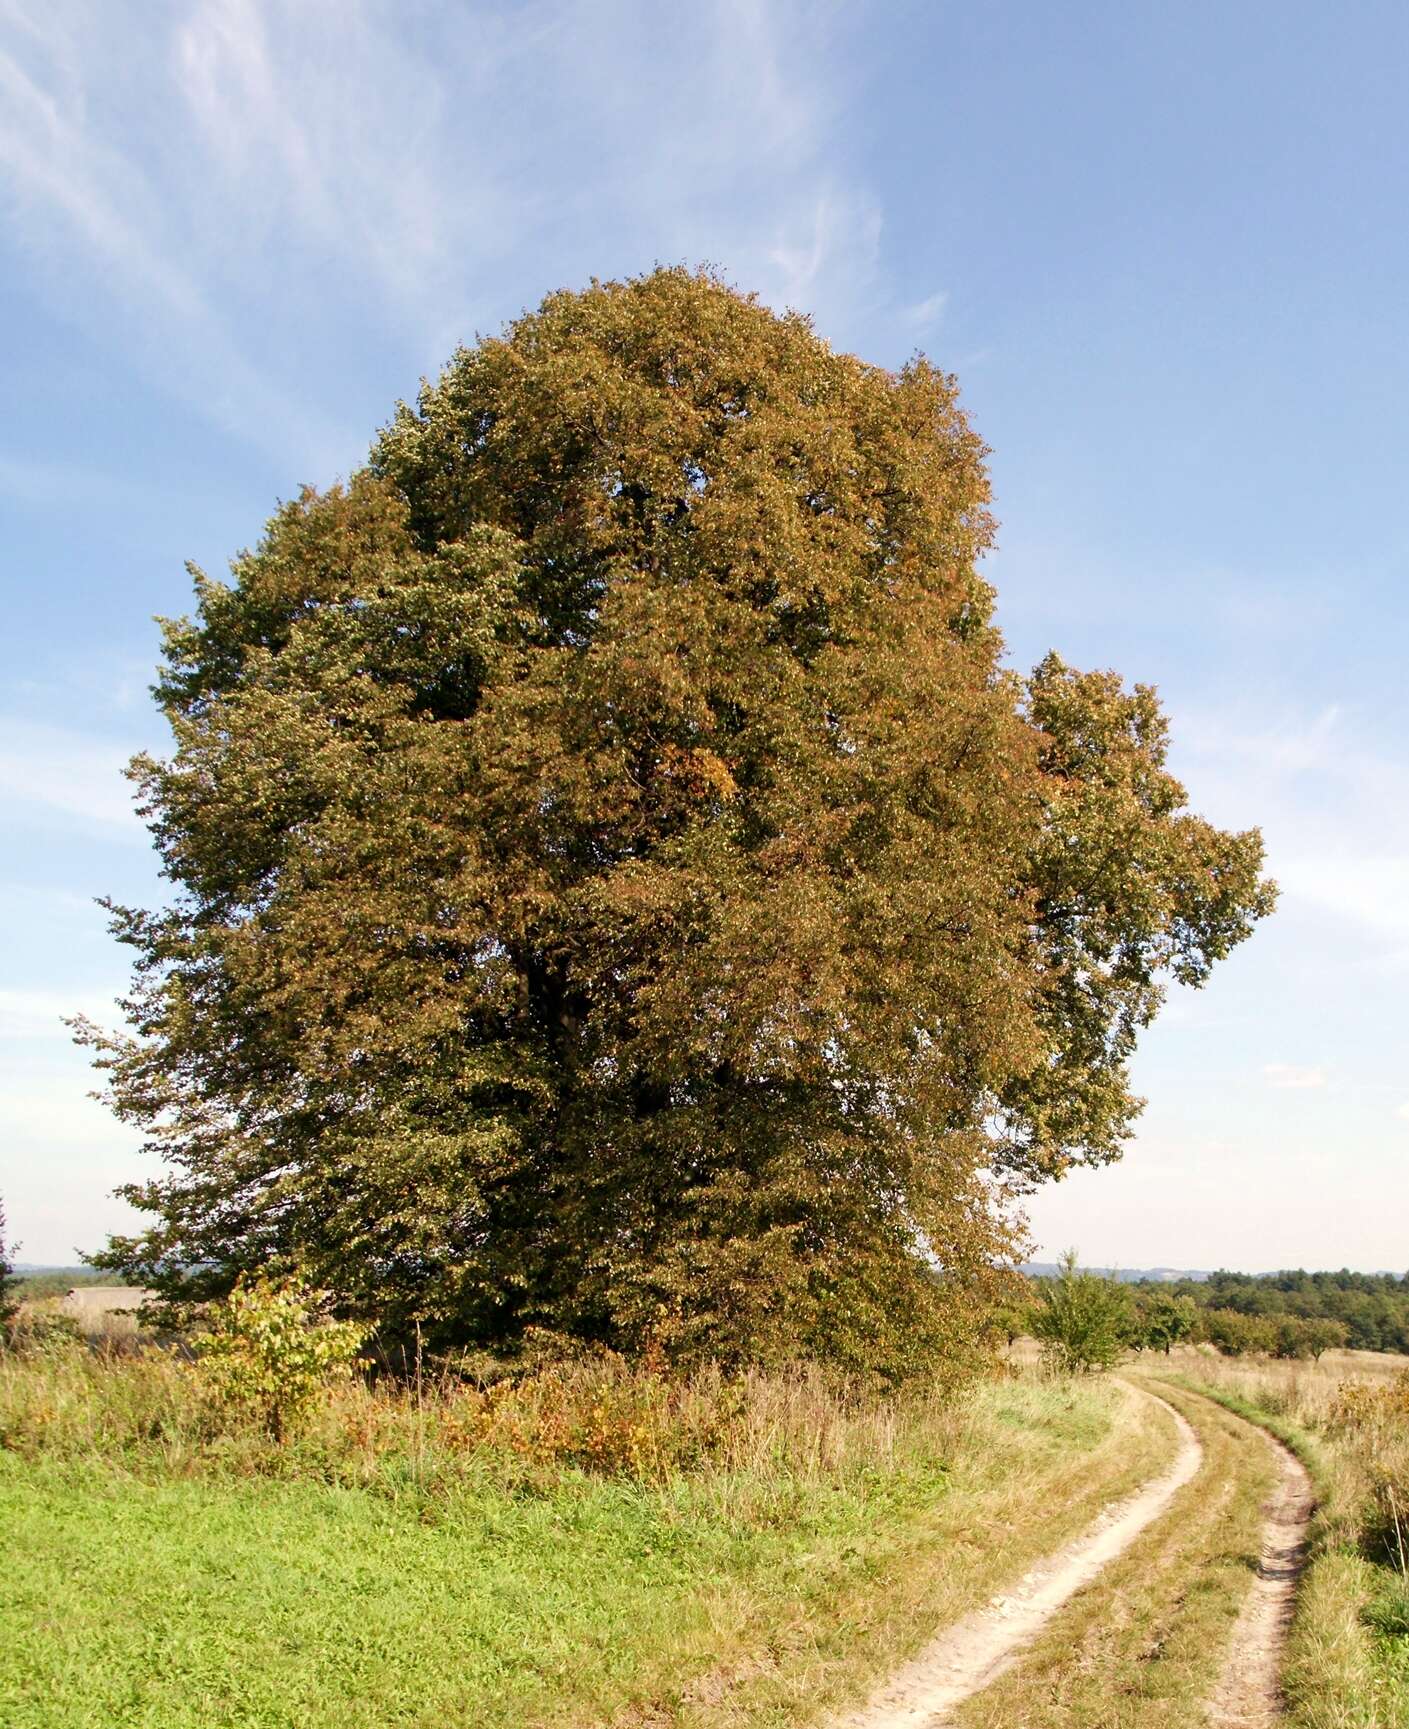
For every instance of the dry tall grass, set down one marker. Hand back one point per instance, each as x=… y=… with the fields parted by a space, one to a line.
x=1349 y=1655
x=149 y=1411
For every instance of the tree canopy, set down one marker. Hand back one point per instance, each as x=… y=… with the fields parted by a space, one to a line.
x=619 y=888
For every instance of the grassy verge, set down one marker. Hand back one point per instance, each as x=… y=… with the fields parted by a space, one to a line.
x=1348 y=1653
x=463 y=1561
x=1143 y=1644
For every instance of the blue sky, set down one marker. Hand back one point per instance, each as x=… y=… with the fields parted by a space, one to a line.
x=1163 y=247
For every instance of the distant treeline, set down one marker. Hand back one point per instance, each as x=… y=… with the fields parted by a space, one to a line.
x=1372 y=1307
x=33 y=1284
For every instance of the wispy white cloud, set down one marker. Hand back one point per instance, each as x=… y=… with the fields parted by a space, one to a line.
x=41 y=1014
x=100 y=683
x=46 y=484
x=924 y=314
x=237 y=180
x=1333 y=807
x=838 y=227
x=317 y=127
x=92 y=191
x=51 y=769
x=1293 y=1076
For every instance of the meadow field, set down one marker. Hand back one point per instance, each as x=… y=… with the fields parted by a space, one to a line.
x=591 y=1551
x=598 y=1545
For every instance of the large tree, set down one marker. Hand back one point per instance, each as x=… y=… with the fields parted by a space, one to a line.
x=618 y=888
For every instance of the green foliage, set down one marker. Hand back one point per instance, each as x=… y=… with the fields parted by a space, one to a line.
x=620 y=891
x=271 y=1352
x=1083 y=1320
x=1163 y=1320
x=8 y=1281
x=1234 y=1334
x=1373 y=1308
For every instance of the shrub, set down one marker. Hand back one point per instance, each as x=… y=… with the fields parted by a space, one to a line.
x=1082 y=1319
x=8 y=1306
x=1163 y=1320
x=45 y=1333
x=1233 y=1334
x=270 y=1351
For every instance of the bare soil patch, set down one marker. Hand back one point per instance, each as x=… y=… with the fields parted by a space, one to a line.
x=1249 y=1691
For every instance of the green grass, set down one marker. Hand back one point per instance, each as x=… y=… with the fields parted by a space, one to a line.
x=1387 y=1615
x=162 y=1601
x=282 y=1603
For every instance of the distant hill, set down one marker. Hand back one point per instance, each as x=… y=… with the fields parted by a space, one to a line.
x=1126 y=1275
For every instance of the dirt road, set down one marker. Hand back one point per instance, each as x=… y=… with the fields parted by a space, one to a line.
x=966 y=1657
x=973 y=1652
x=1249 y=1692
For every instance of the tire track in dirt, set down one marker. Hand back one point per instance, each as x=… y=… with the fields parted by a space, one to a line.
x=966 y=1657
x=1249 y=1690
